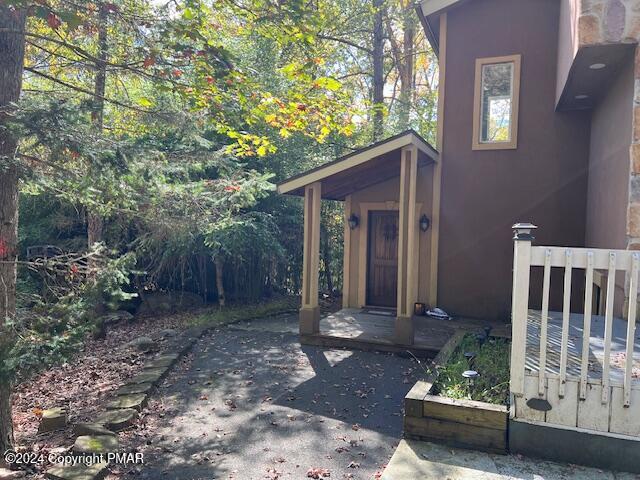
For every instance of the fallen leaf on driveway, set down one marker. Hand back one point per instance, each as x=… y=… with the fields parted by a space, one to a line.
x=318 y=473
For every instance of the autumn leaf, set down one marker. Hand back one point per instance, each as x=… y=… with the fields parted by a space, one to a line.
x=53 y=20
x=316 y=472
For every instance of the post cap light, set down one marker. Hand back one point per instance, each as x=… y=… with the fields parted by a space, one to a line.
x=523 y=231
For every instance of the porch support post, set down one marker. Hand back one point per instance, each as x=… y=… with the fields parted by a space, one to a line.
x=407 y=241
x=346 y=267
x=310 y=311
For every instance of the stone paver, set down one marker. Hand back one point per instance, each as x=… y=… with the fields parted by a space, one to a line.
x=91 y=429
x=95 y=444
x=255 y=404
x=53 y=419
x=134 y=388
x=137 y=401
x=117 y=419
x=152 y=375
x=78 y=472
x=417 y=460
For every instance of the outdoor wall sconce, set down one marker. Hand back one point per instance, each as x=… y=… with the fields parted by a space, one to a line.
x=425 y=223
x=353 y=221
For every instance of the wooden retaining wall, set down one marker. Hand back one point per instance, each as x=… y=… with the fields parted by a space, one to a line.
x=459 y=423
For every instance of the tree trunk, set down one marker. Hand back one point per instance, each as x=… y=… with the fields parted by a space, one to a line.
x=95 y=222
x=378 y=69
x=12 y=44
x=326 y=259
x=407 y=67
x=218 y=262
x=95 y=227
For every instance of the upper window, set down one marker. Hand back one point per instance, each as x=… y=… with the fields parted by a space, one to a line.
x=495 y=113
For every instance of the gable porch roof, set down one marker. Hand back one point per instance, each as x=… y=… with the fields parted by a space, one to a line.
x=362 y=168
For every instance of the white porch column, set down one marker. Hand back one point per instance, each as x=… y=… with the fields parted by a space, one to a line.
x=407 y=241
x=310 y=311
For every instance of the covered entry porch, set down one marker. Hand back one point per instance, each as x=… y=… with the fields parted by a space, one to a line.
x=390 y=235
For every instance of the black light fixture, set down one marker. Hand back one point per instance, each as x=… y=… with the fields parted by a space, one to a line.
x=425 y=223
x=353 y=221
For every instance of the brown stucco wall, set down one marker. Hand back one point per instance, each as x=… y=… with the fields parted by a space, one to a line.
x=484 y=192
x=611 y=137
x=389 y=191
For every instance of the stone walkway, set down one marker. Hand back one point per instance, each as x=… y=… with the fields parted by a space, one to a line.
x=425 y=460
x=255 y=404
x=99 y=437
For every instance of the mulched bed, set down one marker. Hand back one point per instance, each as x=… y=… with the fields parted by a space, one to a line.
x=86 y=383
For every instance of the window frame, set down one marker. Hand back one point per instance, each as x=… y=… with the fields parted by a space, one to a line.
x=515 y=103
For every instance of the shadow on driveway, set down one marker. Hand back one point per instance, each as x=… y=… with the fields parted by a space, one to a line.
x=255 y=404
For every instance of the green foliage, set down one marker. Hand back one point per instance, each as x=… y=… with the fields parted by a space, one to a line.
x=491 y=362
x=49 y=330
x=205 y=104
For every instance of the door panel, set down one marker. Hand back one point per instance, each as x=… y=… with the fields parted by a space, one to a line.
x=382 y=271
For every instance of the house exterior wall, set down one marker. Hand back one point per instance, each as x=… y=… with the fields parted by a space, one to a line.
x=389 y=191
x=484 y=192
x=612 y=21
x=611 y=136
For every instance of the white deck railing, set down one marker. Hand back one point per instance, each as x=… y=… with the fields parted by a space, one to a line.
x=574 y=397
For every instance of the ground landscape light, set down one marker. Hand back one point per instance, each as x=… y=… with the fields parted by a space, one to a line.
x=597 y=66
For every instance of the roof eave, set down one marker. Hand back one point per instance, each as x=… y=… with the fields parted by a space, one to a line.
x=428 y=30
x=410 y=137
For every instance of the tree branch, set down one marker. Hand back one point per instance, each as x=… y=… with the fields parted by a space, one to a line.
x=346 y=42
x=89 y=92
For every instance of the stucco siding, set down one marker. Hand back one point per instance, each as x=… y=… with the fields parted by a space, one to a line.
x=608 y=191
x=484 y=192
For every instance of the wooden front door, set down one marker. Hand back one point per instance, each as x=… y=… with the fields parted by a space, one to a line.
x=382 y=271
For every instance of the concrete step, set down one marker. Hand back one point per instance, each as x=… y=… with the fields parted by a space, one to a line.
x=425 y=460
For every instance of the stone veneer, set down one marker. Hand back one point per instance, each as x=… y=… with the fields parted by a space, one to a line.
x=614 y=21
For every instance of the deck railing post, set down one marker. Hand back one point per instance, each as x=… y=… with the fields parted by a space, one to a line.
x=522 y=240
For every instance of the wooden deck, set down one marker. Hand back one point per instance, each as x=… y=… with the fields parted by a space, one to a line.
x=373 y=329
x=596 y=346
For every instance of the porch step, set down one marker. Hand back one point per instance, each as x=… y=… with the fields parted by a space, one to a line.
x=369 y=345
x=418 y=460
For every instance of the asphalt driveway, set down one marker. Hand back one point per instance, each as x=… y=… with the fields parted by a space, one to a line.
x=254 y=404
